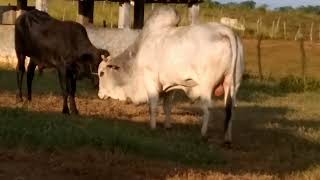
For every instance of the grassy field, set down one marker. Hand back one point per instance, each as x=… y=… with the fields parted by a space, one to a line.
x=277 y=127
x=276 y=132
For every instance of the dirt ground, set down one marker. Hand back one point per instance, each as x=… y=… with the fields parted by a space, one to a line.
x=257 y=153
x=87 y=163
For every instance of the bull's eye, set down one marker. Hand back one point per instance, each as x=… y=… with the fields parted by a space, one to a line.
x=101 y=74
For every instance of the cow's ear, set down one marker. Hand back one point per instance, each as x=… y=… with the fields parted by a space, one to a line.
x=107 y=59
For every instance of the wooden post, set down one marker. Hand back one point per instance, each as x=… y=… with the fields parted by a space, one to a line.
x=21 y=7
x=259 y=25
x=260 y=36
x=277 y=28
x=138 y=14
x=298 y=34
x=303 y=58
x=85 y=11
x=111 y=15
x=311 y=32
x=272 y=30
x=8 y=17
x=124 y=15
x=194 y=10
x=285 y=30
x=42 y=5
x=319 y=32
x=22 y=4
x=64 y=14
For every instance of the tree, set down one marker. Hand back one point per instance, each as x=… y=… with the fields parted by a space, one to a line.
x=285 y=9
x=248 y=4
x=263 y=8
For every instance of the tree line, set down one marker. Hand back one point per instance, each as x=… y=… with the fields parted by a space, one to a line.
x=264 y=7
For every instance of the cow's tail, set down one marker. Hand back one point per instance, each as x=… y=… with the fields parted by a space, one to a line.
x=230 y=88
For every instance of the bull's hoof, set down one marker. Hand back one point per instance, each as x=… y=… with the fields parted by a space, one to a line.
x=227 y=145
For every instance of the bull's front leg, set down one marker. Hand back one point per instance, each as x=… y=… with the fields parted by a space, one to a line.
x=153 y=97
x=167 y=106
x=153 y=110
x=63 y=81
x=30 y=74
x=20 y=72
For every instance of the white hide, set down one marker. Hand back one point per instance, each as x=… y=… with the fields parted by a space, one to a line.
x=194 y=58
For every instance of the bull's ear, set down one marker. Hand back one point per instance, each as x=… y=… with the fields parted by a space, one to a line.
x=106 y=58
x=111 y=66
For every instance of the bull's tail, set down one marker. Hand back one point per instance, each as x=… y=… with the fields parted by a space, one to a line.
x=230 y=88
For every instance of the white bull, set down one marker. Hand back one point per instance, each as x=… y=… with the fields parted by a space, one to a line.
x=201 y=60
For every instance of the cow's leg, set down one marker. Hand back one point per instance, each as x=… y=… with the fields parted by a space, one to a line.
x=30 y=74
x=228 y=119
x=206 y=104
x=71 y=88
x=20 y=72
x=153 y=109
x=63 y=81
x=167 y=106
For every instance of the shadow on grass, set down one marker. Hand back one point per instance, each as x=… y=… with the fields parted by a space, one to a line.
x=252 y=89
x=50 y=131
x=264 y=140
x=42 y=84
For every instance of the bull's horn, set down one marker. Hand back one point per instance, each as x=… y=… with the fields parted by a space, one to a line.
x=96 y=74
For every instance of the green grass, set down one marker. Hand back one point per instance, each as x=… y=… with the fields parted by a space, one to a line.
x=53 y=131
x=277 y=128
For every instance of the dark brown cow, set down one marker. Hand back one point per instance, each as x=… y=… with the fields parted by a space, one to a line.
x=64 y=46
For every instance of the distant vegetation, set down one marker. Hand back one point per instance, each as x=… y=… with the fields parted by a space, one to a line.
x=248 y=12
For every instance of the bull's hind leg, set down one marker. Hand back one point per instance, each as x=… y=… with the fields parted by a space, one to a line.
x=30 y=74
x=228 y=118
x=20 y=72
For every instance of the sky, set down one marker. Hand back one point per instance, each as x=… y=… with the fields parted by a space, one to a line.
x=279 y=3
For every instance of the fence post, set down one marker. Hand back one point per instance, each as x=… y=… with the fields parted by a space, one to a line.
x=259 y=39
x=285 y=30
x=272 y=30
x=260 y=36
x=311 y=32
x=277 y=28
x=319 y=32
x=124 y=15
x=298 y=34
x=303 y=56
